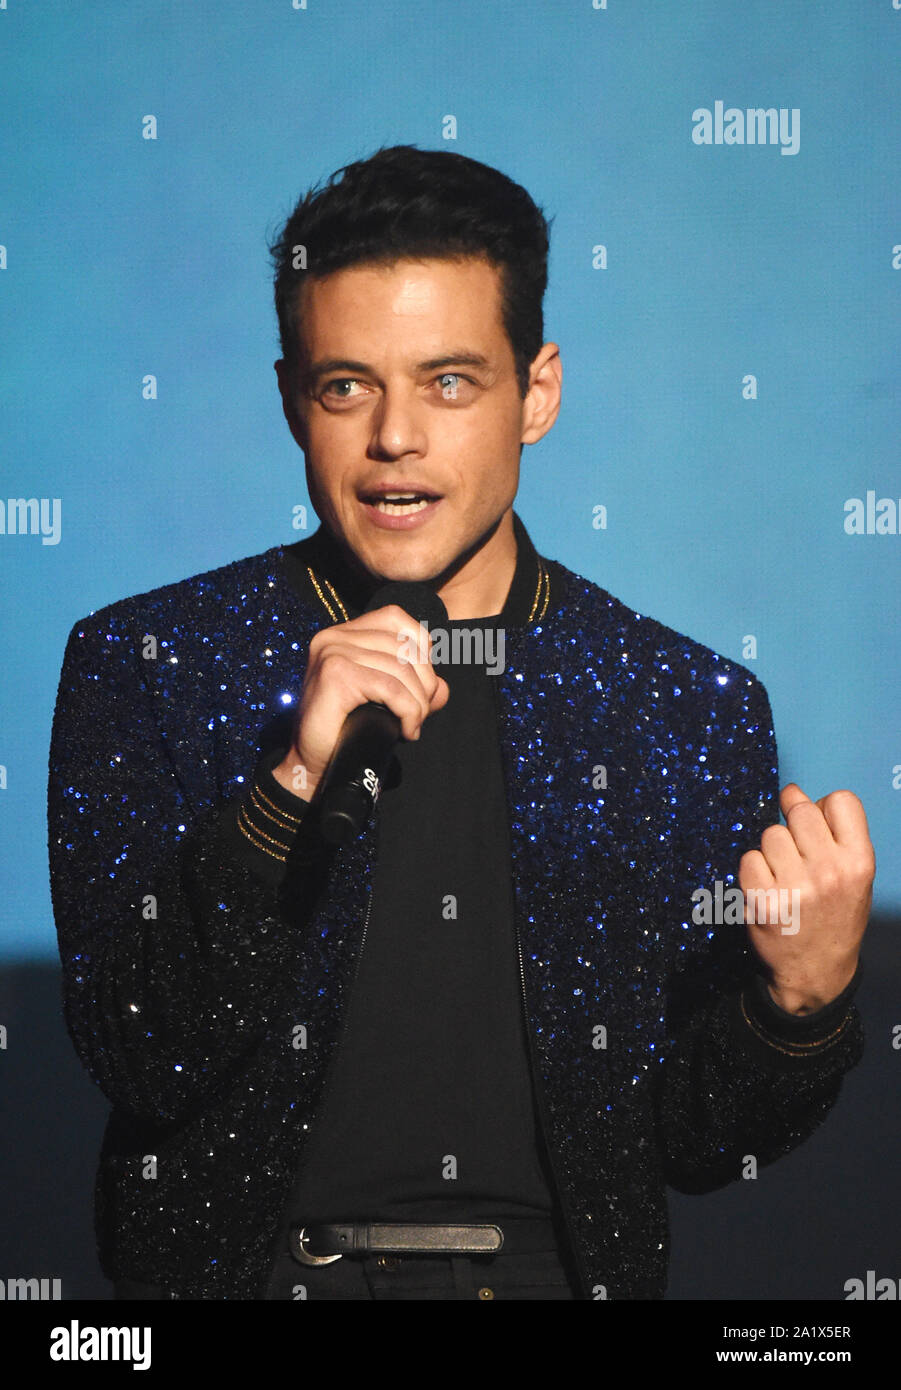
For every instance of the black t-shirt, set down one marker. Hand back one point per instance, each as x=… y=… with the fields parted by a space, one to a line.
x=428 y=1113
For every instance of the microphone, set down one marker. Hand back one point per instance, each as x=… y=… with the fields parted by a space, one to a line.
x=353 y=779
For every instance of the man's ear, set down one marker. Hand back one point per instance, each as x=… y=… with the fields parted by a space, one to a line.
x=288 y=389
x=542 y=404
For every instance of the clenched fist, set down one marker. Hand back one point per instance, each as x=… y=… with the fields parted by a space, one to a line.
x=824 y=855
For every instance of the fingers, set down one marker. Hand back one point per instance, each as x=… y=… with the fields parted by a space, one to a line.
x=754 y=871
x=390 y=630
x=379 y=650
x=780 y=850
x=755 y=877
x=808 y=828
x=384 y=657
x=846 y=818
x=352 y=678
x=441 y=695
x=792 y=795
x=817 y=828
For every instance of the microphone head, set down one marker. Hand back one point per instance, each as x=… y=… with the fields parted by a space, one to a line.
x=419 y=600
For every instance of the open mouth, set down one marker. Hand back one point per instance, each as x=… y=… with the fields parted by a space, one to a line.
x=401 y=503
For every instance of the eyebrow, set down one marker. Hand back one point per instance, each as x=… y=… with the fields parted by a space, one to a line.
x=431 y=364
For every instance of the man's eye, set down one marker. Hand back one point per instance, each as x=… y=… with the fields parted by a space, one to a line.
x=449 y=382
x=340 y=381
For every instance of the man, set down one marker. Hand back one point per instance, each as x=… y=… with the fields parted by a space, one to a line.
x=462 y=1055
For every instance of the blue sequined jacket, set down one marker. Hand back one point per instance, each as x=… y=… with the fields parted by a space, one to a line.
x=658 y=1055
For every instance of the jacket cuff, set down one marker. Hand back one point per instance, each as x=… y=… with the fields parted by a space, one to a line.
x=262 y=826
x=796 y=1035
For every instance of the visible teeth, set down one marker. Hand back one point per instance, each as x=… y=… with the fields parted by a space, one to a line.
x=401 y=508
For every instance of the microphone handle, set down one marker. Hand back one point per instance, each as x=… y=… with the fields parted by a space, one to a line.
x=354 y=777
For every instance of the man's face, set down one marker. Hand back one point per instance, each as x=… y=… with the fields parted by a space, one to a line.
x=389 y=403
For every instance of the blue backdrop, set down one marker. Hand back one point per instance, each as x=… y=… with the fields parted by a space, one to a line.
x=727 y=313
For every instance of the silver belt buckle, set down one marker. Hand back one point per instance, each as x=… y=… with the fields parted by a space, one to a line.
x=304 y=1255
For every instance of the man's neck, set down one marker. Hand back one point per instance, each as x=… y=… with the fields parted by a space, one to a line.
x=479 y=587
x=476 y=586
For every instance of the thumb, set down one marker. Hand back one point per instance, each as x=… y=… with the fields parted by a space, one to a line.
x=441 y=695
x=791 y=795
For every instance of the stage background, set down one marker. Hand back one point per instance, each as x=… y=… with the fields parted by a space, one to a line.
x=728 y=317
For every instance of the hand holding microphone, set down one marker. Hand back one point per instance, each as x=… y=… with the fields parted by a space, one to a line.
x=361 y=693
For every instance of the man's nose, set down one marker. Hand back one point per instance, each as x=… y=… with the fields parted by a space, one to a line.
x=398 y=423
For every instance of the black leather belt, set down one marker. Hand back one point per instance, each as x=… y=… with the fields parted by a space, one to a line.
x=320 y=1244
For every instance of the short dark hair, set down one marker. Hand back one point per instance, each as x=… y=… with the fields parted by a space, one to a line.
x=422 y=204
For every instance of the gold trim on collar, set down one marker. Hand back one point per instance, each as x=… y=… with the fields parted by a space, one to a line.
x=545 y=581
x=328 y=608
x=543 y=588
